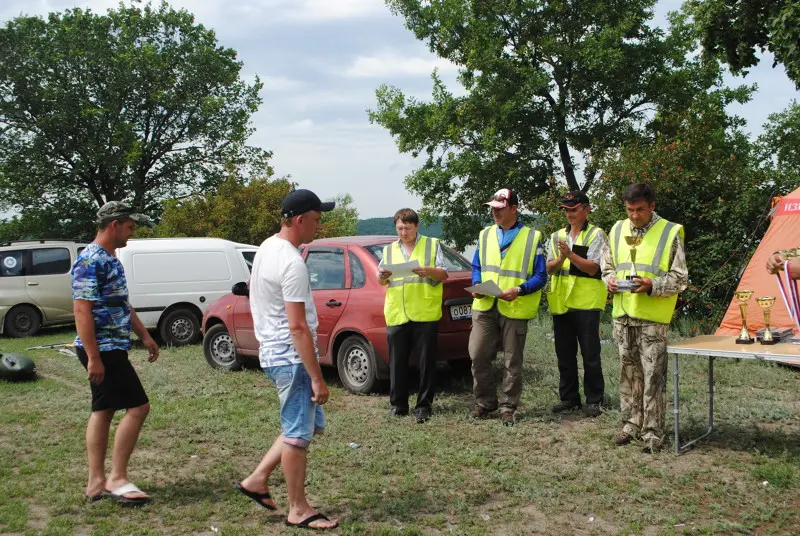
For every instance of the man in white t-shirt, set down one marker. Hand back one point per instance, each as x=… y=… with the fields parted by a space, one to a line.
x=285 y=322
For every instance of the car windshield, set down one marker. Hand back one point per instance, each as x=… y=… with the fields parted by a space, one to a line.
x=453 y=261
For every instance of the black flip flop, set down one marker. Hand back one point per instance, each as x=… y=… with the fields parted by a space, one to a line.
x=257 y=497
x=94 y=498
x=306 y=523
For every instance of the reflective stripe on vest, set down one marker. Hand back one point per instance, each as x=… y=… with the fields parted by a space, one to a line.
x=652 y=261
x=509 y=271
x=413 y=298
x=573 y=292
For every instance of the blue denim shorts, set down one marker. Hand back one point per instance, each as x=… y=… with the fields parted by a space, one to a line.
x=300 y=417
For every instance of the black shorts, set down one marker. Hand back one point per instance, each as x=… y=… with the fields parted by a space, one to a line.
x=121 y=388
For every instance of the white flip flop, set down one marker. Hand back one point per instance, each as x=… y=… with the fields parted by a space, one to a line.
x=119 y=495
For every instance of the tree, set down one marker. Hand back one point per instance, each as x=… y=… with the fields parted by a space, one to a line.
x=780 y=146
x=342 y=220
x=707 y=176
x=139 y=104
x=550 y=86
x=245 y=213
x=734 y=29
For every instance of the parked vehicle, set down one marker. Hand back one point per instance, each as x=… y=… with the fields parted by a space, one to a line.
x=171 y=281
x=35 y=285
x=349 y=301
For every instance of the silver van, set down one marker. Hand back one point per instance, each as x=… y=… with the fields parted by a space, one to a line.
x=35 y=285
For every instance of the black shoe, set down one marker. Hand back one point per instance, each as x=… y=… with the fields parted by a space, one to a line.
x=565 y=405
x=422 y=414
x=592 y=410
x=396 y=411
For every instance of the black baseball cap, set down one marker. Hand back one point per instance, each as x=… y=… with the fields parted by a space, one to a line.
x=573 y=199
x=301 y=201
x=503 y=198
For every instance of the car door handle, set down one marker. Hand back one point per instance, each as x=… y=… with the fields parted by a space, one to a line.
x=32 y=283
x=333 y=303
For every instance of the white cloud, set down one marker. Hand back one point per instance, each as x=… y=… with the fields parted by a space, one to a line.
x=309 y=10
x=390 y=63
x=274 y=84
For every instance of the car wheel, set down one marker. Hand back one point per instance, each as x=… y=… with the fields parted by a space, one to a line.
x=356 y=365
x=23 y=321
x=219 y=349
x=180 y=327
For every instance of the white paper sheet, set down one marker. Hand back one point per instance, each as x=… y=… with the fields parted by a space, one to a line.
x=403 y=269
x=489 y=288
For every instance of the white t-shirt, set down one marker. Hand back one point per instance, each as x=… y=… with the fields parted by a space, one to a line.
x=279 y=275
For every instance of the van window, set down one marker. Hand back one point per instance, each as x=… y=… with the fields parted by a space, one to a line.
x=326 y=269
x=11 y=263
x=357 y=273
x=249 y=256
x=184 y=267
x=50 y=261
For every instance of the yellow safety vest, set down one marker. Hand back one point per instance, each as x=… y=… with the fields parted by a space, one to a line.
x=573 y=291
x=509 y=271
x=652 y=260
x=417 y=299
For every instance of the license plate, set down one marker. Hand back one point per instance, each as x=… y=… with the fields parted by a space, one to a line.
x=461 y=312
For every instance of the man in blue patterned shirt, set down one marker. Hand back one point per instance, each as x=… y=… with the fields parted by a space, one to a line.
x=103 y=319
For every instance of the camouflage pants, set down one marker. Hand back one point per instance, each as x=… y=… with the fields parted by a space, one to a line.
x=643 y=378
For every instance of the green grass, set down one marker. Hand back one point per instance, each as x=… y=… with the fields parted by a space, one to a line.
x=546 y=475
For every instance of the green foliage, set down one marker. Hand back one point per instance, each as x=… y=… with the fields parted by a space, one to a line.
x=550 y=87
x=780 y=145
x=139 y=104
x=342 y=220
x=735 y=30
x=385 y=226
x=706 y=176
x=245 y=213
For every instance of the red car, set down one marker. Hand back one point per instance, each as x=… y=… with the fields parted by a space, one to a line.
x=349 y=300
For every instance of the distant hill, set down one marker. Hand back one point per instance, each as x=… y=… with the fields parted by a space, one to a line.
x=385 y=226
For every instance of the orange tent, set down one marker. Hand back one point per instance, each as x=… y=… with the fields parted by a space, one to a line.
x=783 y=233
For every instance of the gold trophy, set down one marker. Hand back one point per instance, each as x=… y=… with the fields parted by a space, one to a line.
x=632 y=241
x=744 y=296
x=766 y=303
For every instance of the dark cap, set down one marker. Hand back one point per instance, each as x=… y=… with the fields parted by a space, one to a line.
x=117 y=210
x=503 y=198
x=573 y=199
x=301 y=201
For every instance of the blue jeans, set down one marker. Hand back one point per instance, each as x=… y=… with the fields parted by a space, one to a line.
x=300 y=417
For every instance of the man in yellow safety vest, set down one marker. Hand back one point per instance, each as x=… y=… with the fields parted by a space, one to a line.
x=576 y=296
x=510 y=255
x=413 y=307
x=642 y=314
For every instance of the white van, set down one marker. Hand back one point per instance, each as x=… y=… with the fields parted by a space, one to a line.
x=171 y=281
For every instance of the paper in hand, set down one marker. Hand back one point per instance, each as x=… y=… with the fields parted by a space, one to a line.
x=404 y=269
x=489 y=288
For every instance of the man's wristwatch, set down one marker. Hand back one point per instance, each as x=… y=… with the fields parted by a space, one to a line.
x=521 y=290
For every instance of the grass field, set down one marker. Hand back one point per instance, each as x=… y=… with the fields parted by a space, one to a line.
x=546 y=475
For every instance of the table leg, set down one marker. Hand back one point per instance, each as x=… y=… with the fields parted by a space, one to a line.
x=678 y=446
x=675 y=407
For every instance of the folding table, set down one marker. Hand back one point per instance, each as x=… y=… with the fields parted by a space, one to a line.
x=714 y=346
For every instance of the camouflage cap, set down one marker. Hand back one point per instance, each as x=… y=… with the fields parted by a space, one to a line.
x=117 y=210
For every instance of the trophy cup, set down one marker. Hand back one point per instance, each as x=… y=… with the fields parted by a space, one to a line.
x=766 y=303
x=744 y=296
x=628 y=285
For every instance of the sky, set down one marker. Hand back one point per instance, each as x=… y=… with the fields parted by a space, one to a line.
x=321 y=62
